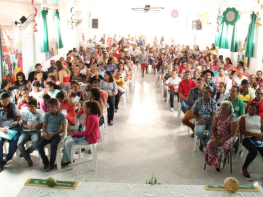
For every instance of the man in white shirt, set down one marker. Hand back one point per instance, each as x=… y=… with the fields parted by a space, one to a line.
x=90 y=45
x=173 y=84
x=133 y=51
x=103 y=45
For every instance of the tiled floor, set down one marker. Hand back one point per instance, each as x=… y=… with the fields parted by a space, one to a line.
x=145 y=140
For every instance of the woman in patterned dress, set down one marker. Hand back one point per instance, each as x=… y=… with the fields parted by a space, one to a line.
x=223 y=136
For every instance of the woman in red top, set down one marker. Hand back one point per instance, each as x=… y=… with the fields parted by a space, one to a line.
x=91 y=135
x=67 y=107
x=258 y=100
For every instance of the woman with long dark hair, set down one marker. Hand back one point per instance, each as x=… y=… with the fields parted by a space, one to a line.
x=110 y=87
x=9 y=118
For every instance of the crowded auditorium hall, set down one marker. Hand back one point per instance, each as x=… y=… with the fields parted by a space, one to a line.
x=131 y=98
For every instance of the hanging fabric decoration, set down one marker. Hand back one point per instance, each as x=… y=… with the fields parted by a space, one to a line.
x=89 y=19
x=204 y=18
x=251 y=36
x=72 y=14
x=230 y=16
x=234 y=42
x=217 y=21
x=35 y=29
x=219 y=28
x=223 y=36
x=58 y=32
x=44 y=44
x=174 y=13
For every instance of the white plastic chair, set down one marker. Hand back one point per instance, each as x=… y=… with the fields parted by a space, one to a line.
x=193 y=120
x=179 y=109
x=58 y=157
x=17 y=151
x=161 y=86
x=102 y=129
x=133 y=81
x=168 y=99
x=93 y=152
x=123 y=100
x=127 y=90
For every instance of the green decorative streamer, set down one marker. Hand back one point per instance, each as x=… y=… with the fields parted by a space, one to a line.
x=251 y=36
x=44 y=45
x=220 y=20
x=72 y=22
x=58 y=37
x=234 y=42
x=223 y=38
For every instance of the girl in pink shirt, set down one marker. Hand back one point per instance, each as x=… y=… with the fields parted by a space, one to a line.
x=90 y=135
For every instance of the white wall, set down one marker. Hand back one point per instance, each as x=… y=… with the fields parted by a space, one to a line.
x=11 y=12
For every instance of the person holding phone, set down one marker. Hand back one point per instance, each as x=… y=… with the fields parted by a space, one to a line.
x=9 y=118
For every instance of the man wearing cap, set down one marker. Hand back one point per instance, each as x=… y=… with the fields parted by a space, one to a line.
x=50 y=70
x=208 y=74
x=195 y=93
x=126 y=51
x=204 y=110
x=38 y=67
x=214 y=57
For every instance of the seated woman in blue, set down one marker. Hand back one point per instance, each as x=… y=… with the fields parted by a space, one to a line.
x=9 y=118
x=111 y=66
x=50 y=87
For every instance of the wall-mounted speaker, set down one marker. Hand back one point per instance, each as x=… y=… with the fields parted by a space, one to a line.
x=95 y=23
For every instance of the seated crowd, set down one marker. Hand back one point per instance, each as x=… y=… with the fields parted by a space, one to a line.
x=93 y=79
x=90 y=82
x=220 y=110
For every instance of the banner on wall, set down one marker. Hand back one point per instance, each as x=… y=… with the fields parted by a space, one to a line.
x=53 y=49
x=11 y=52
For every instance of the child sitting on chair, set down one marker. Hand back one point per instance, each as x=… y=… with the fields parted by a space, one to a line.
x=90 y=135
x=54 y=124
x=32 y=123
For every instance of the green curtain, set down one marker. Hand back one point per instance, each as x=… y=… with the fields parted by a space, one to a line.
x=223 y=37
x=44 y=45
x=58 y=37
x=218 y=32
x=234 y=42
x=251 y=36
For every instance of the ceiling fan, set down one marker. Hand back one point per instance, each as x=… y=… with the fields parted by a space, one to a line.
x=147 y=8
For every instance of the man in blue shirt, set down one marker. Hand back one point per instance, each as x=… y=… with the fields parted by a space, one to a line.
x=204 y=110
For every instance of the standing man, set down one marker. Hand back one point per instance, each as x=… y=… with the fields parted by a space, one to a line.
x=204 y=110
x=143 y=60
x=184 y=88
